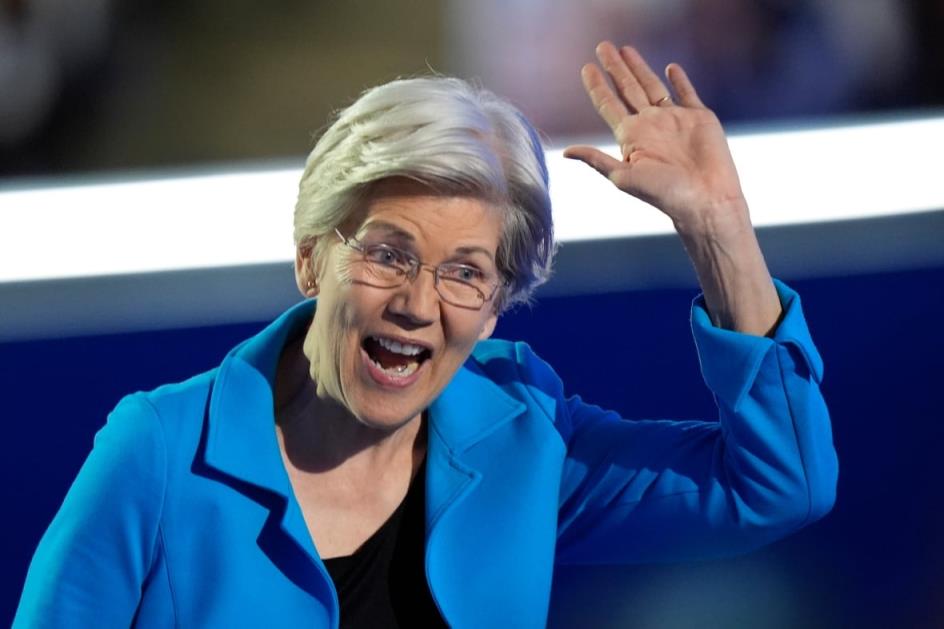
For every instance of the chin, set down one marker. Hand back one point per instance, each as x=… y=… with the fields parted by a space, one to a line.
x=385 y=417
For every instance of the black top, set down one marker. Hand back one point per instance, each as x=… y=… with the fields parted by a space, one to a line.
x=383 y=584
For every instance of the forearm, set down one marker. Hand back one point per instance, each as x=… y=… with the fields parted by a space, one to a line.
x=739 y=292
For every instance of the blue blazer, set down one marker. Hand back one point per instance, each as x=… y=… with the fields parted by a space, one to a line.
x=183 y=514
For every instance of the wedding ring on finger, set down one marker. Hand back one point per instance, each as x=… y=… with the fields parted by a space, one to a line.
x=665 y=101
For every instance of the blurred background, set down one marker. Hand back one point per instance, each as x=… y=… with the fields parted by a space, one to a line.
x=88 y=85
x=97 y=88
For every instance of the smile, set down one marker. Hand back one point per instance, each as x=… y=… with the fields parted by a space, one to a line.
x=392 y=361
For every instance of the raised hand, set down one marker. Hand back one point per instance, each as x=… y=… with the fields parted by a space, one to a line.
x=675 y=157
x=674 y=154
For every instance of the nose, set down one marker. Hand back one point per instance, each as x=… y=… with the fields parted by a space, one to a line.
x=417 y=300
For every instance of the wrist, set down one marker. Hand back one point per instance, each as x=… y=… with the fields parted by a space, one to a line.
x=717 y=221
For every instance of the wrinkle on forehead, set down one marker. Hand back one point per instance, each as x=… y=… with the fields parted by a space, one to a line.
x=402 y=198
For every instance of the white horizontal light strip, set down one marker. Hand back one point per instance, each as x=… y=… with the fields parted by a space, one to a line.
x=152 y=225
x=788 y=177
x=245 y=218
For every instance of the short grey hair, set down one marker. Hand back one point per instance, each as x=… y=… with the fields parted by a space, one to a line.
x=456 y=138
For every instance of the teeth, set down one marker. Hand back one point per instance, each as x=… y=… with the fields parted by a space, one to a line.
x=406 y=349
x=400 y=371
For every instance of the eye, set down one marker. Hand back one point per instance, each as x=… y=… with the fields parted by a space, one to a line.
x=386 y=255
x=463 y=273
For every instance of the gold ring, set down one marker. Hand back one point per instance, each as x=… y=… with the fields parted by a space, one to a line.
x=663 y=101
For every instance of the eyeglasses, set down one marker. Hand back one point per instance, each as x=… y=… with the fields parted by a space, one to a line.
x=384 y=266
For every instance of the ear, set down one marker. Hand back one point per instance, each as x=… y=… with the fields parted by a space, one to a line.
x=305 y=277
x=489 y=325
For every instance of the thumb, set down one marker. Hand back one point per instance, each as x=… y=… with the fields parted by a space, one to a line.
x=595 y=158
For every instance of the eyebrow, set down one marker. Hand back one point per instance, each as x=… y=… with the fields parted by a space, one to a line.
x=408 y=237
x=390 y=227
x=482 y=250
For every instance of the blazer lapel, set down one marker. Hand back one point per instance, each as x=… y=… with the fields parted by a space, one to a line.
x=469 y=409
x=240 y=443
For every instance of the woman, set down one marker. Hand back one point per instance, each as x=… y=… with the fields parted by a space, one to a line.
x=371 y=459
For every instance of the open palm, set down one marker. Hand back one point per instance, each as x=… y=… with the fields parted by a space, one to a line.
x=674 y=156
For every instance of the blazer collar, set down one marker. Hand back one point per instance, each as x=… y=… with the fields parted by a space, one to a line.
x=471 y=407
x=241 y=439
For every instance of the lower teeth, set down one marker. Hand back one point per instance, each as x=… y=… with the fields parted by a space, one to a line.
x=400 y=370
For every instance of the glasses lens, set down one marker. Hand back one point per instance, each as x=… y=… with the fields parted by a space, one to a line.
x=384 y=266
x=382 y=275
x=461 y=294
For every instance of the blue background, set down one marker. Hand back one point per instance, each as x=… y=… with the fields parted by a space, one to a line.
x=876 y=561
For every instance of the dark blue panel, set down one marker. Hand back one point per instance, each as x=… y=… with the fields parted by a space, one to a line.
x=877 y=560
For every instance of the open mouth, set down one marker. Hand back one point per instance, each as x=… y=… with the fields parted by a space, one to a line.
x=395 y=358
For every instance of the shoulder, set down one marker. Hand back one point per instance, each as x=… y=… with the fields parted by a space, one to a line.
x=498 y=357
x=171 y=414
x=517 y=369
x=178 y=399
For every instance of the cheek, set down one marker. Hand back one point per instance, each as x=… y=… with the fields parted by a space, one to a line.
x=461 y=335
x=331 y=343
x=339 y=330
x=339 y=297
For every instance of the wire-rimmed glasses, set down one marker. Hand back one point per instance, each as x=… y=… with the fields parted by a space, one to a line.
x=385 y=266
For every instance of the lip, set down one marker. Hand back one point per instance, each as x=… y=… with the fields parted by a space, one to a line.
x=384 y=379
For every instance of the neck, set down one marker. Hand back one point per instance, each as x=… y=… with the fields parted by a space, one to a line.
x=320 y=435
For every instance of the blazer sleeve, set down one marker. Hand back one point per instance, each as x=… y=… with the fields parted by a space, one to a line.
x=665 y=490
x=91 y=564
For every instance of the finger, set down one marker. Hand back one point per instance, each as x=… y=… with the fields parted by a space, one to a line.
x=608 y=104
x=656 y=91
x=626 y=84
x=682 y=86
x=595 y=158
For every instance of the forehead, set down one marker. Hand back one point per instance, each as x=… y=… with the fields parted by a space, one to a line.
x=414 y=212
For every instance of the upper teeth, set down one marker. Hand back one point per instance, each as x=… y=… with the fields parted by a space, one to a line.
x=406 y=349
